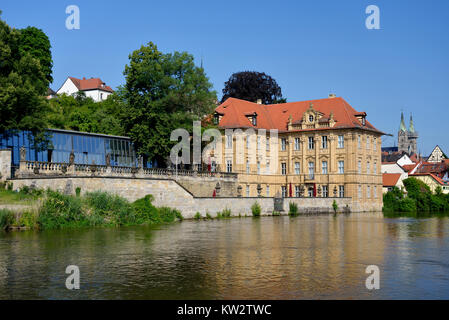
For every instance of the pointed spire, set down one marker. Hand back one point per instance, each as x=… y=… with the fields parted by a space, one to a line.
x=402 y=127
x=412 y=127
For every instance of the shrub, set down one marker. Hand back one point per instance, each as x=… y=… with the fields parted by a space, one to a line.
x=208 y=216
x=292 y=209
x=169 y=214
x=334 y=206
x=276 y=213
x=145 y=211
x=226 y=213
x=197 y=216
x=78 y=191
x=61 y=211
x=28 y=219
x=113 y=209
x=256 y=209
x=6 y=219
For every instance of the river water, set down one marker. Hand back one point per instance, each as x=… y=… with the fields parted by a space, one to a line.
x=306 y=257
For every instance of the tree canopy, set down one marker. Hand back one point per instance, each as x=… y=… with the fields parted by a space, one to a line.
x=163 y=91
x=251 y=86
x=23 y=80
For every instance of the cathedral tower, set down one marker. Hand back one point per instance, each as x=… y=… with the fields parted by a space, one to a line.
x=407 y=139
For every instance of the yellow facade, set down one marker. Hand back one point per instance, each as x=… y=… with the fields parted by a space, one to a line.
x=332 y=162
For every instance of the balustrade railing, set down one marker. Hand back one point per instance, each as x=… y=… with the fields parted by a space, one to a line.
x=37 y=167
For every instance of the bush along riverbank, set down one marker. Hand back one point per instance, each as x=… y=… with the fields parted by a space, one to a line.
x=58 y=211
x=417 y=198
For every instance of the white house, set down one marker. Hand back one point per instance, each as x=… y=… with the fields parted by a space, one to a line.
x=94 y=88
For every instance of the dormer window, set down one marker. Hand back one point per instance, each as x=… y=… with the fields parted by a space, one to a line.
x=310 y=118
x=361 y=116
x=252 y=117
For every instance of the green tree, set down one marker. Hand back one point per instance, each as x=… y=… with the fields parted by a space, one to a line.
x=162 y=92
x=36 y=43
x=23 y=84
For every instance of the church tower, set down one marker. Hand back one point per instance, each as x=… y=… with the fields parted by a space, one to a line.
x=407 y=139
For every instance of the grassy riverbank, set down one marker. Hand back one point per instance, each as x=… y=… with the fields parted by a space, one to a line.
x=58 y=211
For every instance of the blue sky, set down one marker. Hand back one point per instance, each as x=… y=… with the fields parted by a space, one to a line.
x=311 y=48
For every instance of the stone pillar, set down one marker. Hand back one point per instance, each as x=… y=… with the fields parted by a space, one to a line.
x=71 y=166
x=23 y=165
x=5 y=164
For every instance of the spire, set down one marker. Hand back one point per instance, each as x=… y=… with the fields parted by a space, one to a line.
x=412 y=127
x=402 y=127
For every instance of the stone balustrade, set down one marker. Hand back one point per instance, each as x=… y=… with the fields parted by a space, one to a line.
x=38 y=168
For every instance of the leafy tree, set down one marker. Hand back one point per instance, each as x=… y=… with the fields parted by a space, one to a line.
x=251 y=86
x=83 y=114
x=35 y=42
x=23 y=84
x=162 y=92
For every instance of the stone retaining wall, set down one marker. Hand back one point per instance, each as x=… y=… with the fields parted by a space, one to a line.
x=170 y=193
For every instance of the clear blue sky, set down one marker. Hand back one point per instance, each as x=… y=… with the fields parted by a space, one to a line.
x=311 y=48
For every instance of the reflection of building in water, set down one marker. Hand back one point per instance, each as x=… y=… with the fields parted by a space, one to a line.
x=300 y=258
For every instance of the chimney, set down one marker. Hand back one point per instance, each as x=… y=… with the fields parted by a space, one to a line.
x=84 y=78
x=332 y=95
x=259 y=101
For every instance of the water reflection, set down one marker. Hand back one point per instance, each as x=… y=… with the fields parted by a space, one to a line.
x=307 y=257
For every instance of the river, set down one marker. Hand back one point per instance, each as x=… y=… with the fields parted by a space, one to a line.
x=305 y=257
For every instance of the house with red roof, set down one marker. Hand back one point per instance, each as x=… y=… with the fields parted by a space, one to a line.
x=391 y=180
x=314 y=148
x=94 y=88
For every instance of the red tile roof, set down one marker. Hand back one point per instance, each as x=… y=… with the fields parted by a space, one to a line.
x=436 y=168
x=409 y=167
x=436 y=178
x=276 y=116
x=390 y=179
x=90 y=84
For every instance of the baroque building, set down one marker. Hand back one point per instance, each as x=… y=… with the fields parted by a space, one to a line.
x=316 y=148
x=407 y=138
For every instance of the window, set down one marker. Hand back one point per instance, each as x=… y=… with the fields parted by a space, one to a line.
x=359 y=191
x=248 y=141
x=359 y=167
x=268 y=144
x=324 y=142
x=341 y=141
x=324 y=167
x=325 y=191
x=359 y=141
x=310 y=118
x=258 y=142
x=254 y=120
x=297 y=143
x=284 y=191
x=311 y=143
x=341 y=167
x=375 y=144
x=258 y=167
x=267 y=169
x=311 y=170
x=297 y=168
x=375 y=167
x=367 y=142
x=341 y=191
x=310 y=192
x=375 y=192
x=368 y=169
x=297 y=192
x=283 y=144
x=228 y=166
x=247 y=191
x=284 y=168
x=247 y=166
x=229 y=140
x=368 y=192
x=268 y=190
